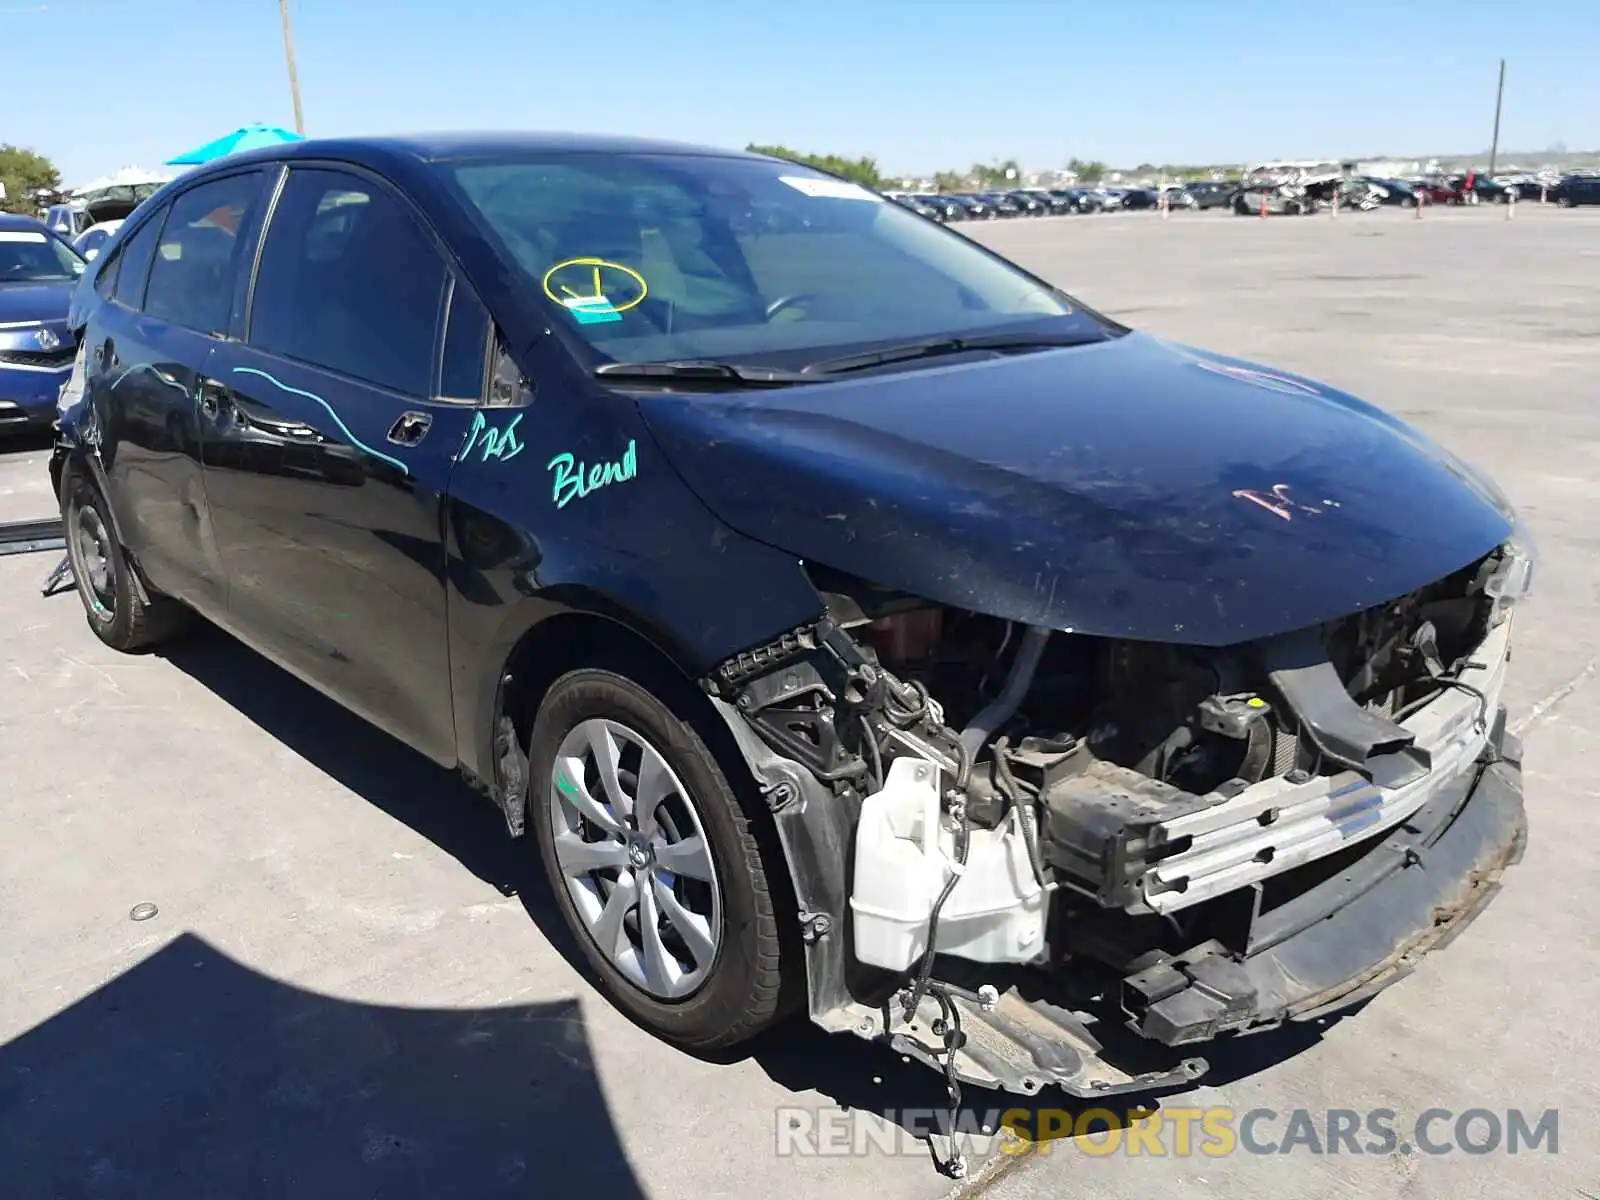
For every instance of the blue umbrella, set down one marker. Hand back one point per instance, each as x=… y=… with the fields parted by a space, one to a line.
x=250 y=137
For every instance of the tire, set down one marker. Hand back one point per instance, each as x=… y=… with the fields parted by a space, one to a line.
x=104 y=576
x=737 y=992
x=1240 y=208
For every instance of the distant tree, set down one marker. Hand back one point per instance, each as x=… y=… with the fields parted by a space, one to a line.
x=861 y=170
x=1006 y=174
x=24 y=173
x=1087 y=172
x=949 y=181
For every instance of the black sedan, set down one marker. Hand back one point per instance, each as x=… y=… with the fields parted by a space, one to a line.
x=1003 y=203
x=1210 y=194
x=917 y=205
x=1056 y=201
x=813 y=662
x=945 y=208
x=978 y=208
x=1574 y=190
x=1030 y=204
x=1087 y=200
x=1395 y=193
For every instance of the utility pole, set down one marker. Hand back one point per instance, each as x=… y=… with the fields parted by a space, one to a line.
x=1499 y=95
x=294 y=75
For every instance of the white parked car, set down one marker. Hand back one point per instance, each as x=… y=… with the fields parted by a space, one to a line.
x=93 y=239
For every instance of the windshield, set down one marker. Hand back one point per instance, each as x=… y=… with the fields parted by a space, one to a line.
x=666 y=257
x=30 y=256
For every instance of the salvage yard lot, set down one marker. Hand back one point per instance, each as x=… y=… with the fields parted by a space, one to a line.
x=355 y=986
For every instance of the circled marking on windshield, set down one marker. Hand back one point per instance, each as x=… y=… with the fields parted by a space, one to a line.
x=580 y=282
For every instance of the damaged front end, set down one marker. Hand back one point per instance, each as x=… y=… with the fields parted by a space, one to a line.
x=996 y=831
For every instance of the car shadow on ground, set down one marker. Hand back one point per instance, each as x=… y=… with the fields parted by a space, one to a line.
x=192 y=1075
x=798 y=1056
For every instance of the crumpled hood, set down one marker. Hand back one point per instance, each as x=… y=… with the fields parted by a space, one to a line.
x=1135 y=488
x=35 y=302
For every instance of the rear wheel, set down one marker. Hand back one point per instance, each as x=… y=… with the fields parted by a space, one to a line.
x=104 y=576
x=654 y=862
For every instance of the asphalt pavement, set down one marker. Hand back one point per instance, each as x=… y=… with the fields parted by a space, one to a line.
x=353 y=985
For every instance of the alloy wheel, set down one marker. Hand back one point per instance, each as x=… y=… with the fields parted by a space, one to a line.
x=635 y=859
x=91 y=541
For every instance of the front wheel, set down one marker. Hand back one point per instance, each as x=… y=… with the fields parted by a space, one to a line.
x=654 y=861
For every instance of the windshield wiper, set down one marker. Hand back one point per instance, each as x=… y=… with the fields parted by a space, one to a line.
x=706 y=370
x=933 y=347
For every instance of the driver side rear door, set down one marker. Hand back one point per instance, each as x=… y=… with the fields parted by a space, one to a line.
x=330 y=430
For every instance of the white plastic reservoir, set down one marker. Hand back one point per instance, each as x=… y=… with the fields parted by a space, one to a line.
x=904 y=855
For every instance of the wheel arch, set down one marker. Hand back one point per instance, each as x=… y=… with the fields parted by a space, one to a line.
x=564 y=629
x=72 y=461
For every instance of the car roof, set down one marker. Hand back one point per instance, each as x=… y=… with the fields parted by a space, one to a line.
x=377 y=152
x=16 y=222
x=401 y=156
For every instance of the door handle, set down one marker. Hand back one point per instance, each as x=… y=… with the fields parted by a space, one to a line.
x=210 y=395
x=410 y=429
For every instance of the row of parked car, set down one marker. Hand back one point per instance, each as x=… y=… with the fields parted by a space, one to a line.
x=1248 y=197
x=1023 y=202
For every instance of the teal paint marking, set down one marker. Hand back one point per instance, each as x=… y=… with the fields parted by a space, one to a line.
x=161 y=376
x=493 y=445
x=328 y=408
x=573 y=480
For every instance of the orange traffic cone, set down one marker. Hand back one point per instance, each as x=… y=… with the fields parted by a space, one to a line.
x=1263 y=206
x=1421 y=200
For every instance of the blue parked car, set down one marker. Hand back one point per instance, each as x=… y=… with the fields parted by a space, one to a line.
x=38 y=271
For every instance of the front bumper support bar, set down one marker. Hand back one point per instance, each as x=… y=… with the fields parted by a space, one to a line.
x=1360 y=930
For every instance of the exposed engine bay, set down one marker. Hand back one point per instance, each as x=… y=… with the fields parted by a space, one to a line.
x=1161 y=814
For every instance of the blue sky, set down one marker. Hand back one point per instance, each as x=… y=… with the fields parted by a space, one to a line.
x=921 y=84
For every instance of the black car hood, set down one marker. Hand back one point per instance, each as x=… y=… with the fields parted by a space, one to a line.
x=1133 y=488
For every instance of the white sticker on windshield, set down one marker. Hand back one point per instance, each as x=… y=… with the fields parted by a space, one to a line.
x=830 y=189
x=21 y=235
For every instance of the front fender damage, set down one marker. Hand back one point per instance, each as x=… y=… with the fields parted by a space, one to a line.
x=1010 y=1043
x=1011 y=847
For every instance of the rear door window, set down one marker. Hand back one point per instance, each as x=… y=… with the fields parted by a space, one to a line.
x=466 y=347
x=349 y=281
x=132 y=267
x=199 y=255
